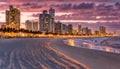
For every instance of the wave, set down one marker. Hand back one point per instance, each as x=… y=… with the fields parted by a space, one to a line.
x=107 y=44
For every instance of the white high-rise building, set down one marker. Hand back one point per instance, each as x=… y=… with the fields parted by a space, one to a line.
x=32 y=25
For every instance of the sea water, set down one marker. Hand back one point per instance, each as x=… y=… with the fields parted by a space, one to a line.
x=108 y=44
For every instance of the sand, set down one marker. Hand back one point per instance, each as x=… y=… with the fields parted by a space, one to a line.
x=52 y=53
x=33 y=53
x=91 y=58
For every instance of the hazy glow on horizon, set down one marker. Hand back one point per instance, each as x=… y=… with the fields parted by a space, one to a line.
x=27 y=16
x=90 y=21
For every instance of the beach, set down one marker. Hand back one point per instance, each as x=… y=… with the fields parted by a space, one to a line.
x=52 y=53
x=94 y=59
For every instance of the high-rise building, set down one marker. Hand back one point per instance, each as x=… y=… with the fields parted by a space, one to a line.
x=52 y=12
x=46 y=21
x=13 y=17
x=70 y=28
x=52 y=19
x=61 y=28
x=96 y=32
x=74 y=31
x=32 y=25
x=102 y=30
x=28 y=25
x=89 y=32
x=85 y=30
x=35 y=25
x=79 y=29
x=58 y=27
x=64 y=29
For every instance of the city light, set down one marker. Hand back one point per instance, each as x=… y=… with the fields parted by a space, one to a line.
x=46 y=26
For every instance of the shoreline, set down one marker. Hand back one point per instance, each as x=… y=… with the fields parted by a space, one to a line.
x=92 y=58
x=56 y=37
x=34 y=54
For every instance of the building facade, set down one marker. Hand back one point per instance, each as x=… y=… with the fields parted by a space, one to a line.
x=35 y=26
x=64 y=29
x=52 y=19
x=46 y=21
x=32 y=25
x=13 y=17
x=70 y=28
x=96 y=32
x=28 y=25
x=58 y=28
x=102 y=30
x=86 y=31
x=79 y=29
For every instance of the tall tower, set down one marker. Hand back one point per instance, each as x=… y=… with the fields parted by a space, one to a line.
x=52 y=15
x=13 y=17
x=52 y=12
x=79 y=29
x=102 y=30
x=70 y=28
x=46 y=21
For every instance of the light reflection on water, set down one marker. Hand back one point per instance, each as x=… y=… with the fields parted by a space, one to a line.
x=84 y=44
x=70 y=42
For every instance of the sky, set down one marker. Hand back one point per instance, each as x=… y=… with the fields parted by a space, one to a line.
x=91 y=13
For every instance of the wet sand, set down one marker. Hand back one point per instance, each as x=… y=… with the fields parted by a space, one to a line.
x=33 y=53
x=91 y=58
x=52 y=53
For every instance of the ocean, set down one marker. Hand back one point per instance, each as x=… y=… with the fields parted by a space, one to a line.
x=107 y=44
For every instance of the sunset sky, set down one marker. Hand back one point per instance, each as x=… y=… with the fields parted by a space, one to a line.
x=91 y=13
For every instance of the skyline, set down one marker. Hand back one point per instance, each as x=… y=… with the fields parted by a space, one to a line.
x=78 y=12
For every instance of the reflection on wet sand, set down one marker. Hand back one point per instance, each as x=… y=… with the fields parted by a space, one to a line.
x=71 y=42
x=34 y=54
x=85 y=44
